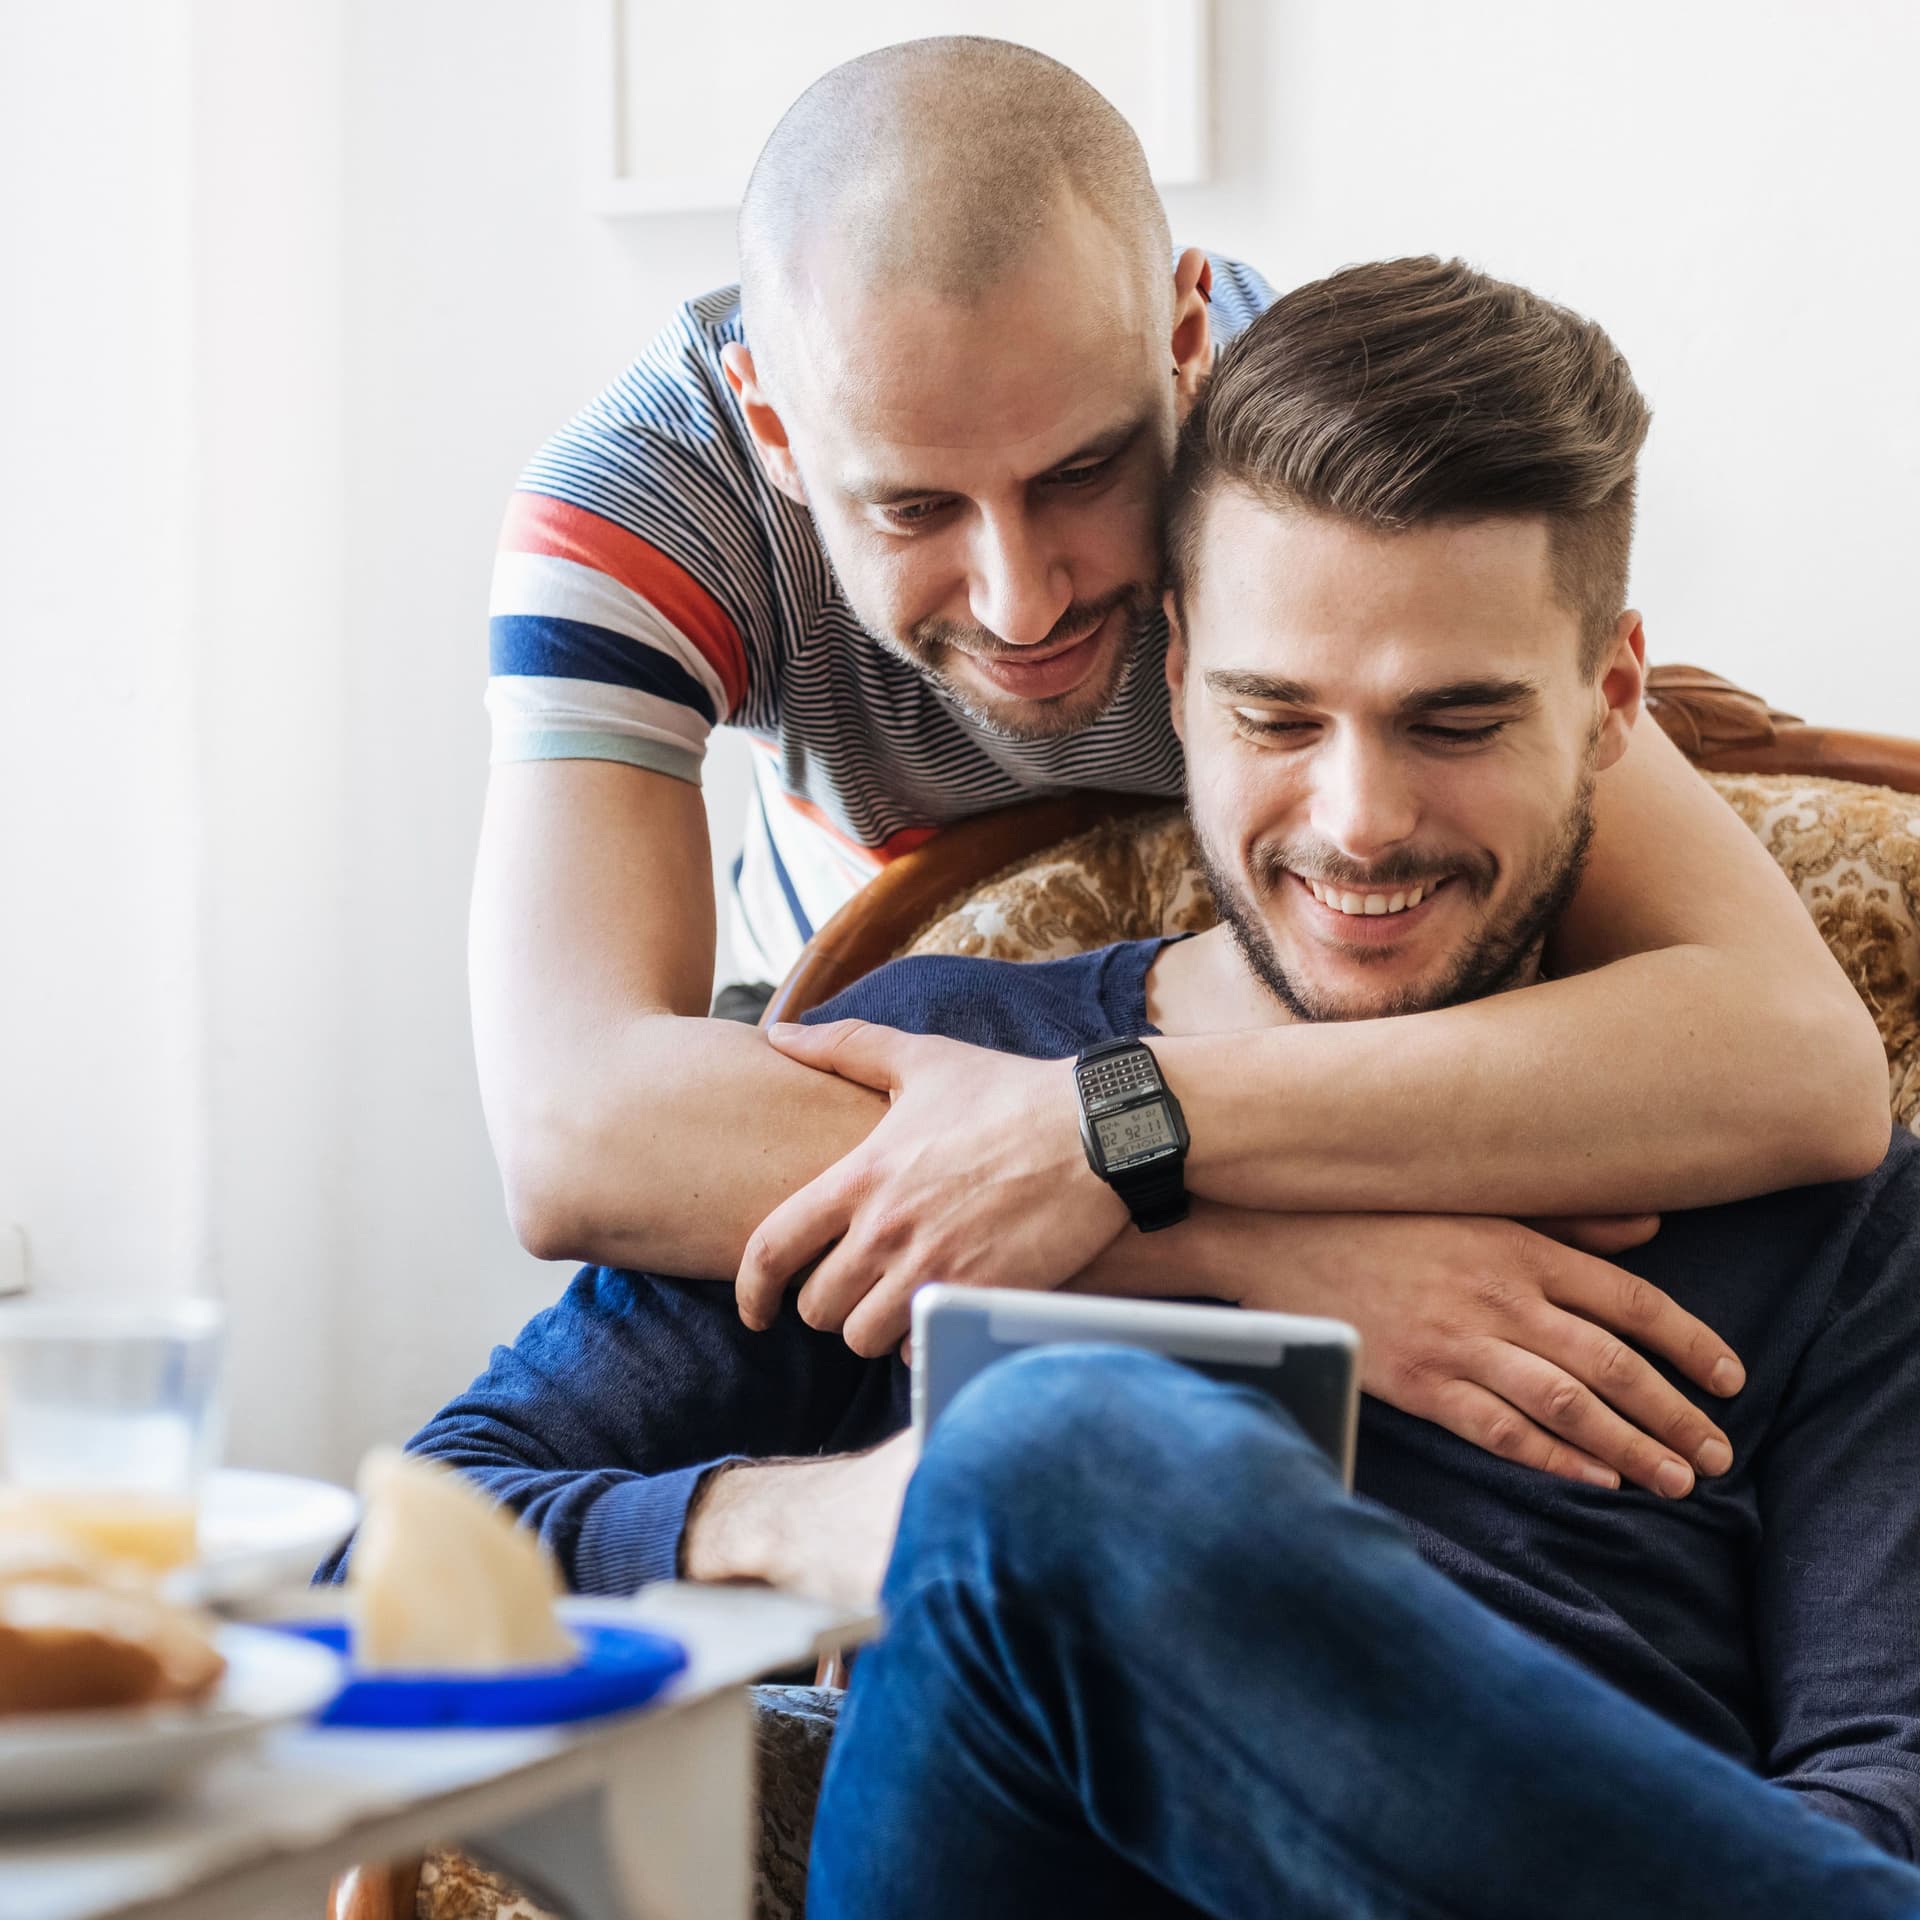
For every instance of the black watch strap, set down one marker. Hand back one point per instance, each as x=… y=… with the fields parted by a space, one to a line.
x=1156 y=1195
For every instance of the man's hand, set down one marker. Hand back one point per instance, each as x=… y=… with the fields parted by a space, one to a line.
x=822 y=1527
x=1491 y=1329
x=976 y=1175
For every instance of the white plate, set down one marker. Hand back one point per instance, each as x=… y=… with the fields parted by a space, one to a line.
x=67 y=1762
x=262 y=1531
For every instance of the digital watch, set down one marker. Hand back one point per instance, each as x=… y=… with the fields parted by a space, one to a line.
x=1133 y=1130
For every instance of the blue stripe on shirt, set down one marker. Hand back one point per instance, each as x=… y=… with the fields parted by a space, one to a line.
x=801 y=918
x=544 y=646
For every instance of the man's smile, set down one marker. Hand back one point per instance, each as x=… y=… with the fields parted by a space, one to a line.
x=1368 y=916
x=1043 y=673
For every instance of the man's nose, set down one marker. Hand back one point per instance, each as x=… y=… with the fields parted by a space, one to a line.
x=1017 y=588
x=1363 y=803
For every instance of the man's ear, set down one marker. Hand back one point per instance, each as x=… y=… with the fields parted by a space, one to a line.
x=1192 y=327
x=1623 y=682
x=1176 y=666
x=764 y=426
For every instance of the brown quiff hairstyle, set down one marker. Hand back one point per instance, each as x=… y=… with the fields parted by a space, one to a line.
x=1411 y=391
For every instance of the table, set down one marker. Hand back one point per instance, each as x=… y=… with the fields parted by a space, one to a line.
x=644 y=1816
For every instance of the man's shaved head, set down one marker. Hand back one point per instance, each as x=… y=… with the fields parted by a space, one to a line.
x=935 y=165
x=967 y=350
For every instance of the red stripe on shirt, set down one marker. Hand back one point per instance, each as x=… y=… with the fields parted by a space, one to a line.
x=536 y=524
x=891 y=848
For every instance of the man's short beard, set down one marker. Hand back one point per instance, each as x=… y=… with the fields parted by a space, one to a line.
x=1504 y=954
x=931 y=645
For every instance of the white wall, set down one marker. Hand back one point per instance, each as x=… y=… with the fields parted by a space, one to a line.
x=1730 y=189
x=483 y=304
x=305 y=284
x=101 y=1047
x=171 y=718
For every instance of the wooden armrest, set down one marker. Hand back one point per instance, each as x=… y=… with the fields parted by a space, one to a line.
x=389 y=1892
x=919 y=886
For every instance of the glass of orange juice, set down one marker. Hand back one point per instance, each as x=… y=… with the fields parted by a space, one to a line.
x=110 y=1418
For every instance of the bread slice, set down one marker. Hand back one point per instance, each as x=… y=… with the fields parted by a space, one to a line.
x=443 y=1580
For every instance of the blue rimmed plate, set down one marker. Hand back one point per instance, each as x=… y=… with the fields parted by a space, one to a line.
x=619 y=1668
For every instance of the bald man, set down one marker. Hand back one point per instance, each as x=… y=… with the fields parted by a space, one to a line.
x=891 y=508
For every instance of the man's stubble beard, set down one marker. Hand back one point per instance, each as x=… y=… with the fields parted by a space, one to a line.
x=930 y=648
x=1503 y=955
x=931 y=644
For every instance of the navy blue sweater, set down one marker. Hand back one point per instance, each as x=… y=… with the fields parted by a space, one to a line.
x=1775 y=1613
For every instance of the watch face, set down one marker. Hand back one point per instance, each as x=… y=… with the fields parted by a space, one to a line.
x=1124 y=1136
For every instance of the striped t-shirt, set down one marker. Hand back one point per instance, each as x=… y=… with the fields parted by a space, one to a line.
x=653 y=583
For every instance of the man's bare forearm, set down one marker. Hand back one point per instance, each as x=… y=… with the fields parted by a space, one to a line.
x=630 y=1131
x=682 y=1134
x=677 y=1138
x=820 y=1526
x=1205 y=1258
x=687 y=1135
x=1667 y=1080
x=741 y=1522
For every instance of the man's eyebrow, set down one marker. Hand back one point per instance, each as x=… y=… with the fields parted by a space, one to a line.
x=1472 y=693
x=1103 y=446
x=1237 y=684
x=873 y=491
x=1240 y=685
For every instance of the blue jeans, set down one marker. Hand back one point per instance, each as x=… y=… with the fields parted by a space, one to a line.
x=1145 y=1657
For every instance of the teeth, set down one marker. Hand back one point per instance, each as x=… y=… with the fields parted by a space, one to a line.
x=1369 y=903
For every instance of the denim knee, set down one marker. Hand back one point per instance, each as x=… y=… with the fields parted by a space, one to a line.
x=1063 y=1465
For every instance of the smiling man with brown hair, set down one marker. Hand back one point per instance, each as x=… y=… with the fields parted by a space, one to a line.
x=1143 y=1654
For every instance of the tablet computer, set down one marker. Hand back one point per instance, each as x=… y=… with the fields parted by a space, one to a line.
x=1311 y=1366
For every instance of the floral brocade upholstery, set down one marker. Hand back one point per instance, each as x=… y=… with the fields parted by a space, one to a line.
x=1852 y=852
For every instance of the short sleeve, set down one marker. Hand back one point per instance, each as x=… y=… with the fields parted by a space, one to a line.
x=602 y=646
x=634 y=603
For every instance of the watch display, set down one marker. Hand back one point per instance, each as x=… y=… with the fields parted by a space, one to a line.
x=1123 y=1136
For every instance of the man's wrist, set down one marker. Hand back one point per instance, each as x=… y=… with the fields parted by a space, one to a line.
x=735 y=1523
x=1220 y=1254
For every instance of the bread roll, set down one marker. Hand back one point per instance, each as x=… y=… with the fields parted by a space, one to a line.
x=65 y=1645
